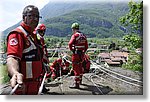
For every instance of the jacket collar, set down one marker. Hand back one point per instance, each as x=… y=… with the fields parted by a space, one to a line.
x=26 y=27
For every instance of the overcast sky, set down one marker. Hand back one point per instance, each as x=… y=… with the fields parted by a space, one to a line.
x=11 y=10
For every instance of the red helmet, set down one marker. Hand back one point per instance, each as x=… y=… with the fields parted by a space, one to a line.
x=41 y=27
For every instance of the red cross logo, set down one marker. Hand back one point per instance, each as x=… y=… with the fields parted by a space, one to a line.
x=13 y=41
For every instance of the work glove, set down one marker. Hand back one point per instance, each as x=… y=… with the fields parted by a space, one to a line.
x=17 y=78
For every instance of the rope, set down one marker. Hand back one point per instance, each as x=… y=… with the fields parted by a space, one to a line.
x=60 y=72
x=41 y=87
x=96 y=85
x=120 y=75
x=54 y=53
x=91 y=80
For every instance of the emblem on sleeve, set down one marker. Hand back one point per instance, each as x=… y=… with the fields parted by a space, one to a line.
x=13 y=41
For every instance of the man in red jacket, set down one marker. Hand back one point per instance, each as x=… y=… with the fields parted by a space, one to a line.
x=40 y=32
x=78 y=45
x=59 y=67
x=24 y=56
x=55 y=68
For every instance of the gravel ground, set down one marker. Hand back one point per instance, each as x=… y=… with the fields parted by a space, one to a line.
x=106 y=85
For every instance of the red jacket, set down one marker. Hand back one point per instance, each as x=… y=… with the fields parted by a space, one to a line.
x=57 y=64
x=78 y=41
x=44 y=48
x=22 y=44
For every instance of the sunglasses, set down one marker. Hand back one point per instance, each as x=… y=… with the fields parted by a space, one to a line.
x=34 y=16
x=41 y=31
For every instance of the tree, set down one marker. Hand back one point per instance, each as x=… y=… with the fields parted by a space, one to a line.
x=134 y=19
x=134 y=39
x=135 y=16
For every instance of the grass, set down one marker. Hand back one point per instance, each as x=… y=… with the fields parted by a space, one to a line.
x=4 y=78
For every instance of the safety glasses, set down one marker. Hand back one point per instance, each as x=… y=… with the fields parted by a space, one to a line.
x=41 y=31
x=33 y=16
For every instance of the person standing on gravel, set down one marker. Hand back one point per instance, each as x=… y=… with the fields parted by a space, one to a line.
x=78 y=45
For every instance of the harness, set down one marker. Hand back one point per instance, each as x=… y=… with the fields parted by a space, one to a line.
x=30 y=55
x=79 y=40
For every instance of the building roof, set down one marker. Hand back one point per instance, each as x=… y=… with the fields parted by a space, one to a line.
x=115 y=59
x=108 y=61
x=116 y=53
x=104 y=55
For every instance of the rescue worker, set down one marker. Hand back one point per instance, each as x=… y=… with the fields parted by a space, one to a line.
x=65 y=65
x=40 y=32
x=55 y=68
x=78 y=45
x=58 y=65
x=24 y=56
x=86 y=63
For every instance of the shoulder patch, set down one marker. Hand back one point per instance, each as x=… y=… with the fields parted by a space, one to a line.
x=13 y=41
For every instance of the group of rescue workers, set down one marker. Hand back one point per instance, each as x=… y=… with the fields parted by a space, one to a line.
x=27 y=56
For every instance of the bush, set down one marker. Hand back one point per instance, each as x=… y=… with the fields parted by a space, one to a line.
x=135 y=62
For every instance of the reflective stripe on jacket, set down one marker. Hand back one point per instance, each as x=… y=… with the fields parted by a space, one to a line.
x=78 y=41
x=30 y=63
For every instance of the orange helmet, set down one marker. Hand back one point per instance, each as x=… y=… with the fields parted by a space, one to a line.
x=41 y=27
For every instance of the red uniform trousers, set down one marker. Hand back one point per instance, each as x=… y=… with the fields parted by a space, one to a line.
x=29 y=88
x=77 y=66
x=55 y=72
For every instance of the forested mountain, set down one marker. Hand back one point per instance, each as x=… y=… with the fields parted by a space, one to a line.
x=96 y=19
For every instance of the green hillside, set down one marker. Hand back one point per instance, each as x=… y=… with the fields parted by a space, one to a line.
x=94 y=23
x=96 y=19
